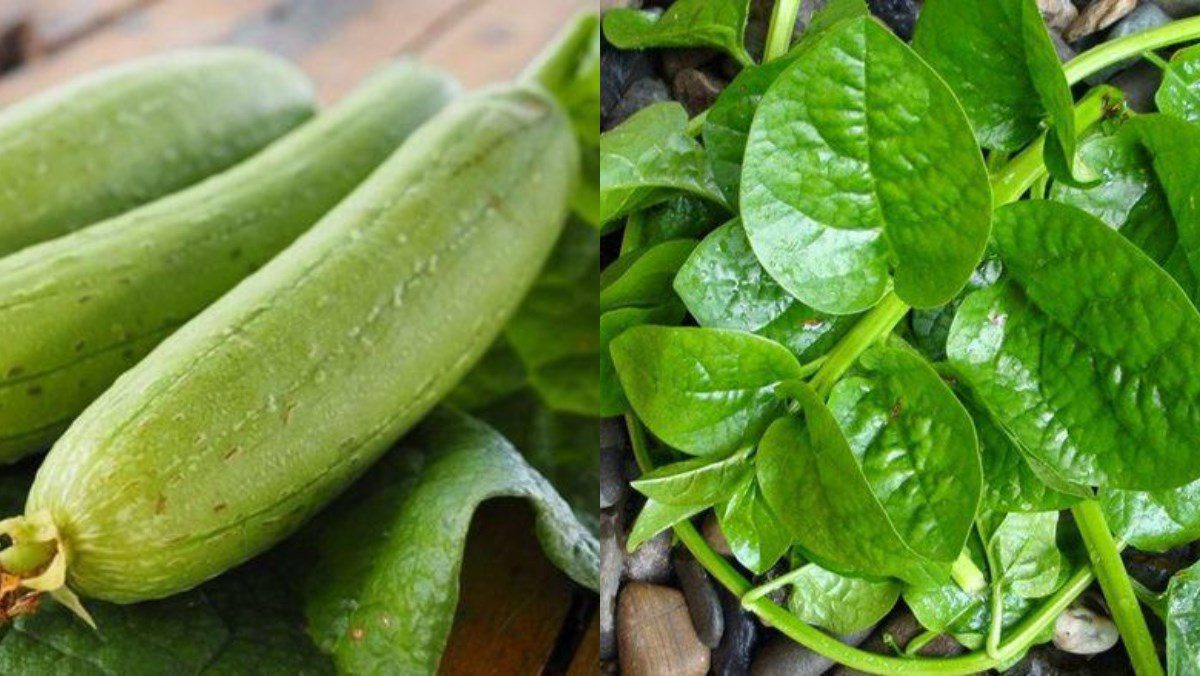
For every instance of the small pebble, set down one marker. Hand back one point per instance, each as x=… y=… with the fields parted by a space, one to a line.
x=655 y=633
x=704 y=606
x=612 y=560
x=675 y=61
x=1155 y=570
x=1179 y=8
x=613 y=447
x=899 y=15
x=1097 y=16
x=619 y=70
x=1058 y=14
x=1065 y=51
x=1139 y=83
x=732 y=656
x=714 y=537
x=1143 y=18
x=697 y=90
x=781 y=656
x=1082 y=632
x=651 y=562
x=643 y=93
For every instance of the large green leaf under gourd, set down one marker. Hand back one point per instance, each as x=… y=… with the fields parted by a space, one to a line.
x=1087 y=353
x=861 y=166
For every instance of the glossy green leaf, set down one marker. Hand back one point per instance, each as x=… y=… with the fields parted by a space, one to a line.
x=1130 y=198
x=931 y=326
x=1183 y=623
x=813 y=482
x=650 y=158
x=682 y=217
x=842 y=605
x=499 y=373
x=724 y=286
x=861 y=165
x=564 y=447
x=727 y=124
x=1174 y=149
x=612 y=324
x=248 y=621
x=917 y=448
x=998 y=58
x=555 y=330
x=1010 y=482
x=702 y=391
x=383 y=587
x=698 y=481
x=755 y=534
x=1154 y=521
x=1087 y=355
x=1024 y=548
x=1179 y=94
x=656 y=517
x=643 y=278
x=685 y=23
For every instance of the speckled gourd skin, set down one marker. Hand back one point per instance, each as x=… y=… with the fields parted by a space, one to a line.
x=251 y=417
x=128 y=134
x=77 y=311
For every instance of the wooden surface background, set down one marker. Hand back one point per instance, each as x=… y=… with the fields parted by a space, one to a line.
x=518 y=615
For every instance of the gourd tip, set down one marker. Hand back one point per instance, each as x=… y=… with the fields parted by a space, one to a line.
x=34 y=563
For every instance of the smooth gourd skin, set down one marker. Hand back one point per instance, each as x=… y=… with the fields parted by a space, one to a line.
x=256 y=413
x=111 y=141
x=77 y=311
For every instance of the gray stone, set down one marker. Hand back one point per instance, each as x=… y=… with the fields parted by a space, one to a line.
x=612 y=561
x=781 y=656
x=714 y=537
x=1139 y=83
x=613 y=449
x=704 y=606
x=1143 y=18
x=1097 y=16
x=732 y=657
x=1179 y=8
x=642 y=93
x=1058 y=14
x=651 y=562
x=899 y=15
x=675 y=61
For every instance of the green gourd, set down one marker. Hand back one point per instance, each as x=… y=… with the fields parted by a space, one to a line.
x=256 y=413
x=77 y=311
x=128 y=134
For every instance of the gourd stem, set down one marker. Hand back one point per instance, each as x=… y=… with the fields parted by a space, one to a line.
x=878 y=322
x=1022 y=171
x=26 y=558
x=1105 y=556
x=1115 y=51
x=1025 y=633
x=779 y=33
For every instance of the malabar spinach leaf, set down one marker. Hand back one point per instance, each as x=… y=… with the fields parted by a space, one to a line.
x=998 y=58
x=727 y=124
x=702 y=391
x=755 y=534
x=724 y=286
x=682 y=217
x=698 y=481
x=1086 y=354
x=612 y=324
x=656 y=517
x=1179 y=94
x=1025 y=550
x=686 y=23
x=643 y=278
x=1183 y=623
x=813 y=482
x=1154 y=521
x=916 y=446
x=648 y=159
x=840 y=604
x=861 y=163
x=383 y=584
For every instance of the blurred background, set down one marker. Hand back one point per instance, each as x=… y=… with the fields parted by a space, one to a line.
x=43 y=42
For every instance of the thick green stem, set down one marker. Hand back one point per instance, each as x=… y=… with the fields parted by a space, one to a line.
x=783 y=24
x=879 y=321
x=1114 y=582
x=696 y=124
x=1023 y=635
x=771 y=585
x=1115 y=51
